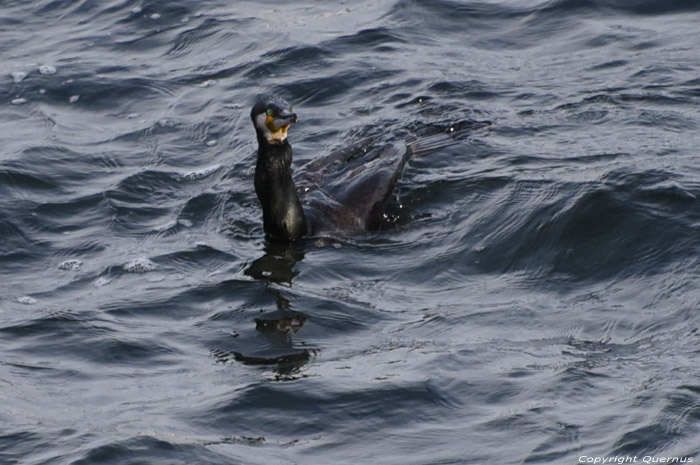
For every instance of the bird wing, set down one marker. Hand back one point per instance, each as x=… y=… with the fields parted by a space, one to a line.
x=351 y=185
x=348 y=189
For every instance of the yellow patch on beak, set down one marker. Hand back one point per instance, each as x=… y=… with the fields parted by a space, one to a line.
x=277 y=134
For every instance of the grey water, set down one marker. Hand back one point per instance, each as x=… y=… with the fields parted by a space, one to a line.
x=535 y=297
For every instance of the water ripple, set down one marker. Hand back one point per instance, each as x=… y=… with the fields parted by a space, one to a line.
x=544 y=260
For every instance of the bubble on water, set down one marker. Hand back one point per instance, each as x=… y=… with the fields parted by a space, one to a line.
x=18 y=76
x=26 y=300
x=19 y=101
x=42 y=91
x=208 y=83
x=140 y=265
x=155 y=16
x=70 y=265
x=47 y=69
x=211 y=142
x=74 y=98
x=136 y=10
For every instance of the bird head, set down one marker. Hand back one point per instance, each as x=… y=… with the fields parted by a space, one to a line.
x=272 y=118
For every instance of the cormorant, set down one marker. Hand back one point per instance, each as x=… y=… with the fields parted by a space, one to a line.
x=343 y=193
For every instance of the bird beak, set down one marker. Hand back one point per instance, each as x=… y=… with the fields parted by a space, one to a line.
x=284 y=119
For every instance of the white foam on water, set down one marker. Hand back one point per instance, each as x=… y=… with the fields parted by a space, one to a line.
x=166 y=226
x=18 y=76
x=47 y=69
x=200 y=173
x=70 y=265
x=102 y=281
x=19 y=101
x=26 y=300
x=140 y=265
x=74 y=98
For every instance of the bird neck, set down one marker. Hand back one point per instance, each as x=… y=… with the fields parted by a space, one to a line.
x=283 y=216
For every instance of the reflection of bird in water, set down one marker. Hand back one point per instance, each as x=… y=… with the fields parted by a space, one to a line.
x=342 y=193
x=277 y=265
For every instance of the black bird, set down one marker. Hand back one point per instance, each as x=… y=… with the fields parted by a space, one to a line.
x=343 y=193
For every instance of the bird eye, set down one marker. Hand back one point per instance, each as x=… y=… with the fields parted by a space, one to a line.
x=269 y=112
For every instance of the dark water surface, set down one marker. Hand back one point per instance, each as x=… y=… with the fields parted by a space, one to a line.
x=538 y=300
